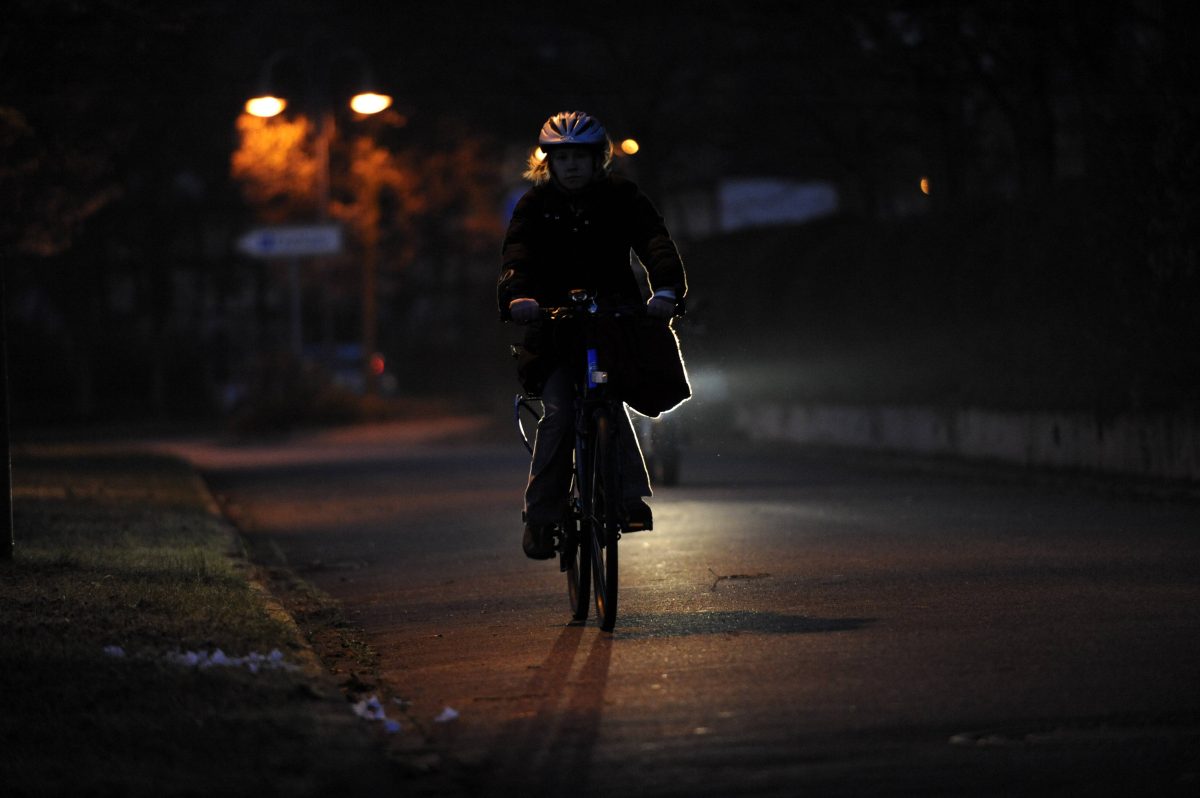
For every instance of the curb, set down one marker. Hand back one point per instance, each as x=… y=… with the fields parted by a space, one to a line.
x=310 y=662
x=308 y=659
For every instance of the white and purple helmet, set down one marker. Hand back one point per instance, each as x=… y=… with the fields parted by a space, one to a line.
x=572 y=128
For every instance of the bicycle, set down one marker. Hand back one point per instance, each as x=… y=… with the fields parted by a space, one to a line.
x=588 y=535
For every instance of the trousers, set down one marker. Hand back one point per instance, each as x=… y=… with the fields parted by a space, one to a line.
x=546 y=493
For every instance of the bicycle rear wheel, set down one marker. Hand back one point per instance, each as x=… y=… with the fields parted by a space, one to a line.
x=602 y=520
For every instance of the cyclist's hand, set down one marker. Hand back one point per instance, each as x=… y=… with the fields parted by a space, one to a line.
x=524 y=310
x=660 y=307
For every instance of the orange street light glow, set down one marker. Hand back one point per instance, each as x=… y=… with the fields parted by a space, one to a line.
x=370 y=103
x=265 y=106
x=630 y=146
x=925 y=186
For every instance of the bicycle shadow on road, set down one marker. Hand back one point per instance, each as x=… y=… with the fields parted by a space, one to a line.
x=547 y=746
x=647 y=625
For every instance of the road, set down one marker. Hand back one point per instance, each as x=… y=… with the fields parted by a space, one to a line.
x=798 y=623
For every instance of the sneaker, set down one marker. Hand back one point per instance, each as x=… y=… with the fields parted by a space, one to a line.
x=638 y=516
x=538 y=542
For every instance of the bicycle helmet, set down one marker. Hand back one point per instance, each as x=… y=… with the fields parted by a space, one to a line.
x=572 y=128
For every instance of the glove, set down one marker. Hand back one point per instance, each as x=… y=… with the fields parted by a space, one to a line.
x=661 y=305
x=524 y=310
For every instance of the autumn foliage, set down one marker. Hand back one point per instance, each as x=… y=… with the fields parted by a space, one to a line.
x=277 y=166
x=412 y=195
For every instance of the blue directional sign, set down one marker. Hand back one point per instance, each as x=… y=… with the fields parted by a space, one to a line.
x=291 y=241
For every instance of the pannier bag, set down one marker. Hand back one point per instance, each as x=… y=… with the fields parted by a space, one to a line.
x=641 y=355
x=645 y=365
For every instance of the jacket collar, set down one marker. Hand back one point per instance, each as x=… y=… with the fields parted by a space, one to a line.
x=588 y=191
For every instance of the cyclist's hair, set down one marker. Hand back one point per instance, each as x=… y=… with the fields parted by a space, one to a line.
x=537 y=170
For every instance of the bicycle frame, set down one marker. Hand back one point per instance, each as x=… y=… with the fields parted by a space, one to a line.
x=587 y=544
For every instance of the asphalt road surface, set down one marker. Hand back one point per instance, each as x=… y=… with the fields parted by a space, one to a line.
x=797 y=623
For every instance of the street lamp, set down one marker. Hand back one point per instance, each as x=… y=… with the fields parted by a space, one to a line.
x=265 y=106
x=367 y=101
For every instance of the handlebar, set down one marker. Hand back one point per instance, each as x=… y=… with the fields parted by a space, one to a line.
x=579 y=311
x=584 y=305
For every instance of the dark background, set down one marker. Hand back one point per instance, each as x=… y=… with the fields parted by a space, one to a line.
x=1053 y=264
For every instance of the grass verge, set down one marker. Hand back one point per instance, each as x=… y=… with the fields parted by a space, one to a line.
x=121 y=568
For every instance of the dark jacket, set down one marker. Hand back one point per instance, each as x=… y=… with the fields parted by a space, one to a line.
x=557 y=242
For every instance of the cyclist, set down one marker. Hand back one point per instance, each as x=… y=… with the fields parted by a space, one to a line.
x=574 y=229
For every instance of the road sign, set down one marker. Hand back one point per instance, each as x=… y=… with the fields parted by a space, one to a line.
x=292 y=241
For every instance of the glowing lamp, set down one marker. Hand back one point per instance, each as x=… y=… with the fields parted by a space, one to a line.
x=265 y=106
x=630 y=146
x=370 y=102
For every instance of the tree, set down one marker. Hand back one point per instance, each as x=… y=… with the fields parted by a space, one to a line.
x=276 y=165
x=413 y=209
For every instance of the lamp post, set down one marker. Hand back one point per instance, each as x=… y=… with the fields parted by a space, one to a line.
x=366 y=101
x=6 y=505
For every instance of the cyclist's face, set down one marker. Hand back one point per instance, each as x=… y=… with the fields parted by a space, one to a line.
x=572 y=167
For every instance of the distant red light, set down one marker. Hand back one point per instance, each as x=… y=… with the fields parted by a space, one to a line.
x=377 y=364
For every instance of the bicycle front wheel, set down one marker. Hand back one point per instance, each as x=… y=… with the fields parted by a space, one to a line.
x=603 y=519
x=577 y=564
